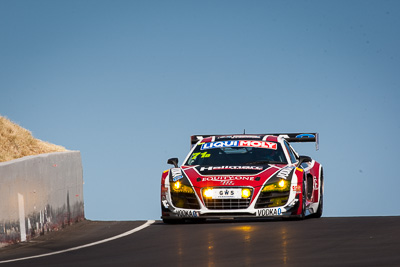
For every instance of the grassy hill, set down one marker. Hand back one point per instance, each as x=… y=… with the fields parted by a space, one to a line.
x=17 y=142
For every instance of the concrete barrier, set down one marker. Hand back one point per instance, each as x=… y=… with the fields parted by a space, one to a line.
x=40 y=194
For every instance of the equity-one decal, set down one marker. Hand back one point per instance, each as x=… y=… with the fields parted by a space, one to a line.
x=227 y=178
x=219 y=144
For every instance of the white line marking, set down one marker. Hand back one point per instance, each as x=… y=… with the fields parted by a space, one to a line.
x=148 y=223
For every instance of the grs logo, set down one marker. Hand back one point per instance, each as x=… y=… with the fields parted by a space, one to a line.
x=226 y=192
x=187 y=213
x=269 y=212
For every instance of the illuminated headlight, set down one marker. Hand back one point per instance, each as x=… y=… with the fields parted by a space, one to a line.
x=207 y=193
x=281 y=186
x=246 y=193
x=178 y=187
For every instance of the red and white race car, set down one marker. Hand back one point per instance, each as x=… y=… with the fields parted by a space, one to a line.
x=243 y=176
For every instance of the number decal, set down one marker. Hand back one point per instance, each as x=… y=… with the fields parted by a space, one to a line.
x=194 y=155
x=203 y=155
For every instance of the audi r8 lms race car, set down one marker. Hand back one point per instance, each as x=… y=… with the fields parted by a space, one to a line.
x=243 y=176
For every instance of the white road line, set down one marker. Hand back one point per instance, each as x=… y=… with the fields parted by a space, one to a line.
x=148 y=223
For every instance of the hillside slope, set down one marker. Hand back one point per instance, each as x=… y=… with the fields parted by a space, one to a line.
x=17 y=142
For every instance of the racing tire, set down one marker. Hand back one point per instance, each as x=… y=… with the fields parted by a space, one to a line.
x=320 y=209
x=302 y=216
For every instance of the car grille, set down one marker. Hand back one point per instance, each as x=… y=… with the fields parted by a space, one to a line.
x=227 y=204
x=185 y=200
x=272 y=199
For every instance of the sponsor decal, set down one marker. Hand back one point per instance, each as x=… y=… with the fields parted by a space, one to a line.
x=284 y=173
x=227 y=178
x=176 y=178
x=315 y=183
x=226 y=193
x=220 y=144
x=269 y=212
x=227 y=183
x=176 y=174
x=231 y=168
x=296 y=188
x=187 y=213
x=203 y=155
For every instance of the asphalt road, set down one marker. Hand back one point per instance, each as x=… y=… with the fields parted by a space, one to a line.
x=358 y=241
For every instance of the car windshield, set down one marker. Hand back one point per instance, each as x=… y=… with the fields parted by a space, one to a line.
x=238 y=152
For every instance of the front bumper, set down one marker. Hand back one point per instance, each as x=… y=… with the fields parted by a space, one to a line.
x=170 y=212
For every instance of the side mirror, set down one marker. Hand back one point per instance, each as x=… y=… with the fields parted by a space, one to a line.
x=304 y=159
x=173 y=161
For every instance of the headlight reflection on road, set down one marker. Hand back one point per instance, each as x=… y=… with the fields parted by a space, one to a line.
x=210 y=249
x=246 y=231
x=284 y=245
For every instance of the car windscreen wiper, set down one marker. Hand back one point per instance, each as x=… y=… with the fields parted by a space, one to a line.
x=261 y=162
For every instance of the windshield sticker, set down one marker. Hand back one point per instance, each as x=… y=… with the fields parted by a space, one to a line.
x=203 y=155
x=211 y=168
x=220 y=144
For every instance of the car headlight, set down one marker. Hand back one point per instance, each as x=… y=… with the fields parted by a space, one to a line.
x=178 y=187
x=246 y=193
x=207 y=193
x=281 y=186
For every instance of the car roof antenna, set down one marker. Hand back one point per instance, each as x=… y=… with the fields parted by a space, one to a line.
x=244 y=131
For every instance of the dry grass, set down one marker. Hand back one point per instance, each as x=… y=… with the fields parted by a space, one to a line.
x=17 y=142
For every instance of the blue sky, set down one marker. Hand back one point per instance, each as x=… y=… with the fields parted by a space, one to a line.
x=128 y=82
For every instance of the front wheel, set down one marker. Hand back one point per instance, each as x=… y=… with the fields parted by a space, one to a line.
x=302 y=216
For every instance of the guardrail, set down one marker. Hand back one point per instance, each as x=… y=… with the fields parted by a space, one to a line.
x=40 y=194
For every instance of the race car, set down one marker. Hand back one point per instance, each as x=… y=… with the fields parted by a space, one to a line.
x=243 y=176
